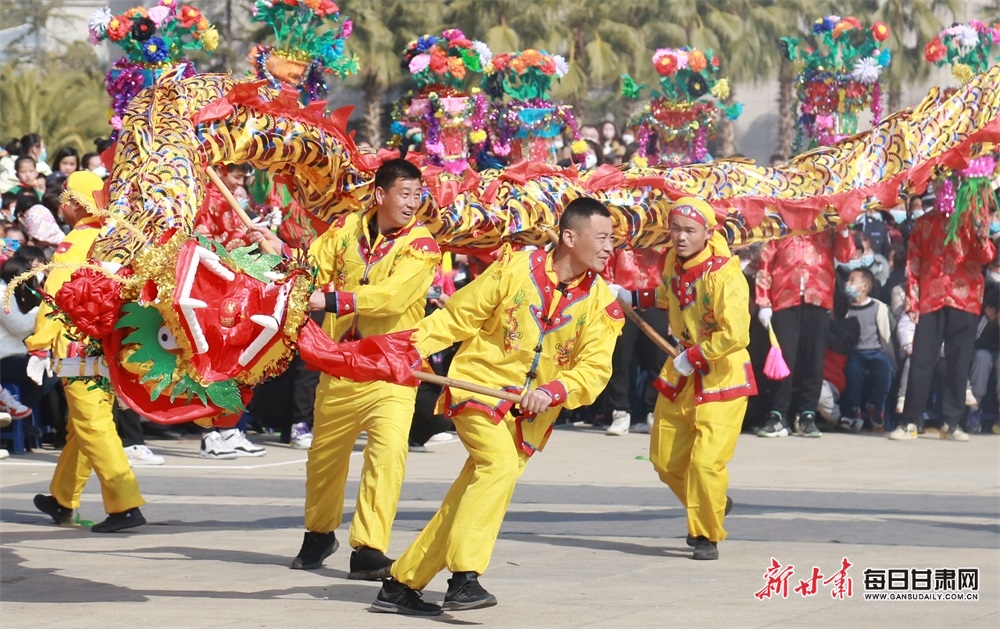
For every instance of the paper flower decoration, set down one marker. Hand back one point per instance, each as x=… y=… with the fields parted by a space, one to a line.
x=676 y=115
x=154 y=40
x=446 y=60
x=131 y=30
x=839 y=74
x=969 y=48
x=523 y=75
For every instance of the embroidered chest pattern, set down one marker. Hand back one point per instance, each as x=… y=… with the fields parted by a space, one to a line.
x=512 y=334
x=564 y=351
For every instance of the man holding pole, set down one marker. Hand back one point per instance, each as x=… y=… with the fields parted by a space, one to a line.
x=535 y=323
x=704 y=389
x=375 y=268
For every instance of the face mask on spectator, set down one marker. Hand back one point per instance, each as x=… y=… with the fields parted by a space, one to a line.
x=852 y=291
x=866 y=260
x=627 y=139
x=590 y=160
x=100 y=171
x=994 y=227
x=993 y=276
x=558 y=144
x=917 y=214
x=898 y=216
x=40 y=278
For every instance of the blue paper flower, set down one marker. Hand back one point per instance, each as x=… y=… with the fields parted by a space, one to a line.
x=155 y=50
x=425 y=42
x=885 y=58
x=398 y=128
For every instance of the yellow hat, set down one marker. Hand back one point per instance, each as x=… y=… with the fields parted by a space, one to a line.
x=83 y=187
x=696 y=209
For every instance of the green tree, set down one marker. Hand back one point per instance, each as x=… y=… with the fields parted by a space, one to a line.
x=38 y=15
x=67 y=106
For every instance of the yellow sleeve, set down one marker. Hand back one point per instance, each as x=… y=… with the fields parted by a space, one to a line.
x=592 y=369
x=730 y=300
x=465 y=312
x=411 y=277
x=322 y=253
x=48 y=331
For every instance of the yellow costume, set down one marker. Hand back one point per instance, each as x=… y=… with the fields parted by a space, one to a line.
x=517 y=324
x=380 y=285
x=698 y=417
x=92 y=442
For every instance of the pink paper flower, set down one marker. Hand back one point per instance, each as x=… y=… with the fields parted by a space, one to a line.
x=419 y=63
x=158 y=15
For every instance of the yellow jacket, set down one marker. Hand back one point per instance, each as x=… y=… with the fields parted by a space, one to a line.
x=520 y=331
x=381 y=285
x=74 y=250
x=709 y=303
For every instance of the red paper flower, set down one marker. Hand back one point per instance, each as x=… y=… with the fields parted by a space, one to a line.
x=880 y=31
x=119 y=28
x=439 y=64
x=935 y=51
x=667 y=65
x=92 y=301
x=189 y=16
x=325 y=8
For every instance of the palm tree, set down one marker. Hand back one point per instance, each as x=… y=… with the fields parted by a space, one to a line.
x=66 y=106
x=382 y=29
x=504 y=25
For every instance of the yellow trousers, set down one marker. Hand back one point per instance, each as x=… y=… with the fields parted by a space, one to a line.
x=343 y=410
x=463 y=532
x=93 y=443
x=689 y=448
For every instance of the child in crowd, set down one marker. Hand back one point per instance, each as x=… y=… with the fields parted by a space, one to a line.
x=873 y=355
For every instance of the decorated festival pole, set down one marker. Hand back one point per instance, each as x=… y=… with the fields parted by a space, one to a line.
x=471 y=387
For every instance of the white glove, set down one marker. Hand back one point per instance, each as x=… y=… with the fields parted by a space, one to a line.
x=683 y=365
x=622 y=293
x=37 y=368
x=764 y=316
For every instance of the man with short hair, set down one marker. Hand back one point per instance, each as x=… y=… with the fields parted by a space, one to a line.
x=704 y=390
x=375 y=268
x=92 y=441
x=537 y=323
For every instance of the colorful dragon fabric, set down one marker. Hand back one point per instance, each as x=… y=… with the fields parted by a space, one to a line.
x=197 y=326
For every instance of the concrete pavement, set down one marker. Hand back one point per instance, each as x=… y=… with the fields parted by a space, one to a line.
x=593 y=539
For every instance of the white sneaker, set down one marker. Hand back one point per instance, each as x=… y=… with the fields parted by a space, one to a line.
x=12 y=405
x=4 y=454
x=142 y=455
x=620 y=422
x=302 y=437
x=956 y=435
x=213 y=446
x=442 y=437
x=903 y=434
x=237 y=440
x=4 y=419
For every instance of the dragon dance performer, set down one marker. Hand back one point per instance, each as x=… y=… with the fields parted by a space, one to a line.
x=92 y=442
x=542 y=318
x=375 y=267
x=704 y=390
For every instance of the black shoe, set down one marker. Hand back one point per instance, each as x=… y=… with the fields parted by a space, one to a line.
x=120 y=521
x=464 y=592
x=396 y=598
x=807 y=425
x=315 y=548
x=61 y=515
x=692 y=540
x=418 y=447
x=705 y=550
x=368 y=564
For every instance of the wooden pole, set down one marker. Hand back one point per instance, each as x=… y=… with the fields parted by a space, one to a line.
x=444 y=381
x=647 y=329
x=265 y=246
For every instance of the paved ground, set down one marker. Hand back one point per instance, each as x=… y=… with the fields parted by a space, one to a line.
x=592 y=539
